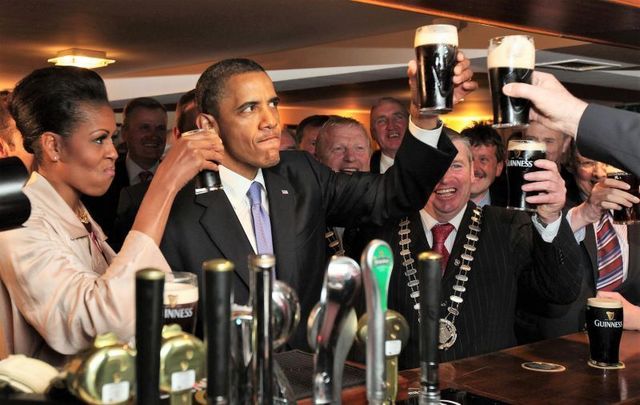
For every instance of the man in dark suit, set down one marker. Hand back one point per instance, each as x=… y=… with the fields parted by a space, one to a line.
x=389 y=119
x=556 y=108
x=144 y=130
x=599 y=195
x=508 y=256
x=489 y=186
x=237 y=99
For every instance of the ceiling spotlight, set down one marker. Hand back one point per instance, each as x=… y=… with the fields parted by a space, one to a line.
x=81 y=58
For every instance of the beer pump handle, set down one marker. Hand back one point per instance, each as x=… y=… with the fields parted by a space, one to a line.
x=261 y=269
x=149 y=319
x=377 y=264
x=397 y=337
x=217 y=300
x=429 y=275
x=336 y=328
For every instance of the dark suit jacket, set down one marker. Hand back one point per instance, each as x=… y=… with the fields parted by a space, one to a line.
x=374 y=163
x=538 y=322
x=498 y=191
x=304 y=198
x=610 y=135
x=510 y=257
x=103 y=209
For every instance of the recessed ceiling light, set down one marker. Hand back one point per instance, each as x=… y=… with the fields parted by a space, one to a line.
x=85 y=58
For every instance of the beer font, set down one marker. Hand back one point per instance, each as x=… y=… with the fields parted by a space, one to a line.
x=149 y=288
x=429 y=275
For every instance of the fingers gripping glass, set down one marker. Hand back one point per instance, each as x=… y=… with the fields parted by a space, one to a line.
x=206 y=180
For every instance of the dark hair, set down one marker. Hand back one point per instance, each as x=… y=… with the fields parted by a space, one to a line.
x=5 y=116
x=392 y=100
x=186 y=118
x=140 y=102
x=484 y=135
x=49 y=99
x=212 y=81
x=313 y=121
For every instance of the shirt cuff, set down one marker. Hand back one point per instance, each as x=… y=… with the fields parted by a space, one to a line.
x=580 y=233
x=549 y=232
x=428 y=136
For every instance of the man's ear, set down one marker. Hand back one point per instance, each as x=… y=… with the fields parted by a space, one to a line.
x=4 y=149
x=499 y=168
x=207 y=121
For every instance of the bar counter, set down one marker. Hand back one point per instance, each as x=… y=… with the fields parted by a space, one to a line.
x=500 y=376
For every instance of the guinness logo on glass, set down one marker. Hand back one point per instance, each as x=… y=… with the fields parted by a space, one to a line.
x=610 y=315
x=173 y=300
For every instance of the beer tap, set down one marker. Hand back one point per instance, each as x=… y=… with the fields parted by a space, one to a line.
x=260 y=284
x=333 y=328
x=218 y=298
x=149 y=290
x=429 y=274
x=377 y=264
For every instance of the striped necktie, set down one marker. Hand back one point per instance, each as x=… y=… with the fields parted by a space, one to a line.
x=609 y=255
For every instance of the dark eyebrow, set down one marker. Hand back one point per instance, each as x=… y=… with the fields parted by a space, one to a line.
x=245 y=105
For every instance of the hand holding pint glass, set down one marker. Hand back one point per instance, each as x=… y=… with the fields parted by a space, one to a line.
x=206 y=180
x=604 y=325
x=436 y=48
x=511 y=59
x=181 y=300
x=626 y=215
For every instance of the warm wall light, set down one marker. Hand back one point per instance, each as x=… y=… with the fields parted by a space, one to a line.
x=82 y=58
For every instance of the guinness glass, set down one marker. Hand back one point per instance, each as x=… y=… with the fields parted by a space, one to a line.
x=436 y=47
x=511 y=59
x=604 y=326
x=181 y=300
x=521 y=154
x=206 y=180
x=626 y=216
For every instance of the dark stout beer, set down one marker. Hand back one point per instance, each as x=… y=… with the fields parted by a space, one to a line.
x=626 y=215
x=520 y=157
x=436 y=47
x=181 y=305
x=604 y=326
x=511 y=59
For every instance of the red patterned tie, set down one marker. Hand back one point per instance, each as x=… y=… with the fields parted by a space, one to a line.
x=145 y=176
x=440 y=233
x=609 y=255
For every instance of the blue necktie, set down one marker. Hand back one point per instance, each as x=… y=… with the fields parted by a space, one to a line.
x=260 y=219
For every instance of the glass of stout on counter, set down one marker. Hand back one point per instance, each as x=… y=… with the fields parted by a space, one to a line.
x=511 y=59
x=604 y=318
x=181 y=300
x=436 y=48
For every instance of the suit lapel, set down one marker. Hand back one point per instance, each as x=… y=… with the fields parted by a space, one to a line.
x=457 y=248
x=223 y=227
x=281 y=196
x=633 y=237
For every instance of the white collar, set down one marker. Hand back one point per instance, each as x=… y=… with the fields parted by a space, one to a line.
x=385 y=162
x=236 y=187
x=484 y=200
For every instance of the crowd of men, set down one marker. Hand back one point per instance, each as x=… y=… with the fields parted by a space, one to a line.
x=531 y=274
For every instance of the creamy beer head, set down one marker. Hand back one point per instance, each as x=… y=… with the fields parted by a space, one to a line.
x=527 y=145
x=606 y=303
x=514 y=51
x=179 y=294
x=436 y=34
x=614 y=171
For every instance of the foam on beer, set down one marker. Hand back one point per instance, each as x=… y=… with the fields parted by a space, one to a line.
x=183 y=293
x=515 y=51
x=612 y=170
x=436 y=34
x=604 y=303
x=527 y=145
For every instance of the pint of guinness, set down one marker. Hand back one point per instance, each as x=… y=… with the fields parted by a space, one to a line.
x=181 y=300
x=521 y=154
x=436 y=48
x=511 y=59
x=631 y=215
x=604 y=326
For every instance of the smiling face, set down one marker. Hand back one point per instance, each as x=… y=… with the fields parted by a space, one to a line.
x=345 y=148
x=588 y=172
x=454 y=189
x=249 y=123
x=87 y=156
x=388 y=125
x=556 y=142
x=485 y=168
x=145 y=134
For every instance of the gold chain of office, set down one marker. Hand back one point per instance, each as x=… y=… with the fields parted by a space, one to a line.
x=448 y=333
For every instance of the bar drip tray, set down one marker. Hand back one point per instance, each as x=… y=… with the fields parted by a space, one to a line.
x=451 y=396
